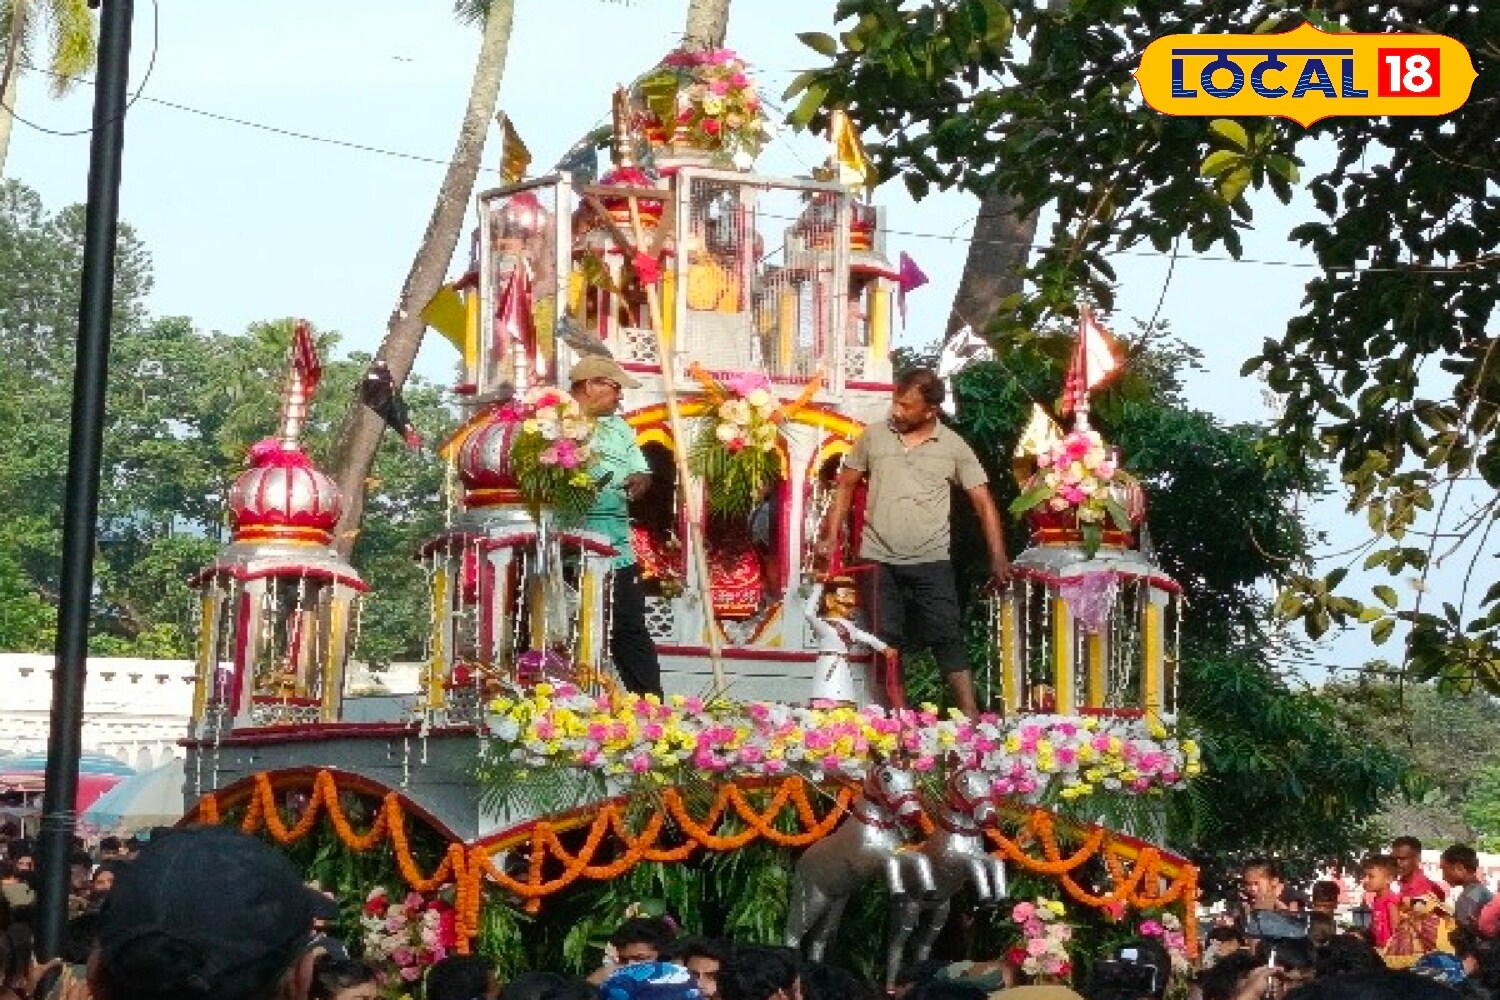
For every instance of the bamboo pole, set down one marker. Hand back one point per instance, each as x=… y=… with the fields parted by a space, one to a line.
x=697 y=548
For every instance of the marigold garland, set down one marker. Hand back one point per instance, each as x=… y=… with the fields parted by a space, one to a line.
x=1140 y=876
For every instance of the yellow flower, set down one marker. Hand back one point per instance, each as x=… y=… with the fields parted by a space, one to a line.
x=1055 y=905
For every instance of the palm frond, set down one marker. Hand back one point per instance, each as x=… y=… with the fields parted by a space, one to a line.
x=75 y=42
x=473 y=11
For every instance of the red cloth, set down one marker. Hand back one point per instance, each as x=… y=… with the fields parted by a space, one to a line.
x=1420 y=885
x=1489 y=918
x=1383 y=923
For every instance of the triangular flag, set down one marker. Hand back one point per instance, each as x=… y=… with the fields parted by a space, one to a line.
x=514 y=320
x=908 y=278
x=514 y=156
x=447 y=314
x=305 y=357
x=1094 y=361
x=1040 y=433
x=854 y=167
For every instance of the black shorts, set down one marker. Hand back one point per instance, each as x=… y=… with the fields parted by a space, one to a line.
x=911 y=607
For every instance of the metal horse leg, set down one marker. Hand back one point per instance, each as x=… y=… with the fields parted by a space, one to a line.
x=826 y=928
x=937 y=917
x=807 y=905
x=904 y=917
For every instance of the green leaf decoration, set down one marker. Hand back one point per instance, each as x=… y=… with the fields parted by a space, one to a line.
x=1032 y=497
x=822 y=44
x=1231 y=131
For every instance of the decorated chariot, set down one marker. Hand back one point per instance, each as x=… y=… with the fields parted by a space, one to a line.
x=756 y=314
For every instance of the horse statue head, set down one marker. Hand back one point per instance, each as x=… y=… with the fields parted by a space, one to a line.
x=969 y=793
x=893 y=789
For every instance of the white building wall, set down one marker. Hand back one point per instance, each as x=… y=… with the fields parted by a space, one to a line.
x=134 y=709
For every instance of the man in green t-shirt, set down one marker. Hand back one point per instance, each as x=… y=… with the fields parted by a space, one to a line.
x=598 y=383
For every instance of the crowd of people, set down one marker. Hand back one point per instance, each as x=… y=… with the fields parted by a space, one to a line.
x=208 y=913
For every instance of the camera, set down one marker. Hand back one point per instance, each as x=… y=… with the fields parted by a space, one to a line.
x=1136 y=970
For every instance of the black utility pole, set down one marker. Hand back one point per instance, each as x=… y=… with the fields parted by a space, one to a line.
x=85 y=444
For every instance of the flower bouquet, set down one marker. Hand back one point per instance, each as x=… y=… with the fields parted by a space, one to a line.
x=1077 y=474
x=1043 y=949
x=404 y=935
x=704 y=100
x=551 y=453
x=734 y=449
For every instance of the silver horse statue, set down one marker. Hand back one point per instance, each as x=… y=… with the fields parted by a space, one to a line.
x=955 y=854
x=868 y=843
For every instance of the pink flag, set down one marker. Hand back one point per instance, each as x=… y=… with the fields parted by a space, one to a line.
x=908 y=278
x=305 y=357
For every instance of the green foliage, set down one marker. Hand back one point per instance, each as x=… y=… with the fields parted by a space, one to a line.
x=1482 y=810
x=182 y=408
x=1284 y=775
x=1387 y=370
x=1447 y=739
x=734 y=481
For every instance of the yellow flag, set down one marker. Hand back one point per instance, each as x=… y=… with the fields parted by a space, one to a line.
x=854 y=166
x=447 y=315
x=514 y=156
x=1040 y=433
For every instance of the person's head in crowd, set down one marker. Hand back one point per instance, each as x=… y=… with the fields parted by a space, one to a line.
x=821 y=981
x=206 y=913
x=1227 y=940
x=1407 y=851
x=1325 y=896
x=760 y=972
x=80 y=873
x=103 y=880
x=1264 y=884
x=1321 y=928
x=1384 y=985
x=702 y=957
x=1378 y=873
x=1460 y=865
x=527 y=986
x=1295 y=959
x=462 y=977
x=642 y=939
x=79 y=937
x=1348 y=953
x=343 y=979
x=1225 y=978
x=25 y=863
x=650 y=981
x=1140 y=969
x=110 y=847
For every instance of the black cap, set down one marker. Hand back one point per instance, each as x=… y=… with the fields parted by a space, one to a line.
x=207 y=911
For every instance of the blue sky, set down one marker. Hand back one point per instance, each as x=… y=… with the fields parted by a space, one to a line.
x=247 y=224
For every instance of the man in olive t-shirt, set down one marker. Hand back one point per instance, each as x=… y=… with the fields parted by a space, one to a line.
x=912 y=463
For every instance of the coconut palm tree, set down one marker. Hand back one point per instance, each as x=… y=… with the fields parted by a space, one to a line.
x=73 y=35
x=359 y=437
x=707 y=23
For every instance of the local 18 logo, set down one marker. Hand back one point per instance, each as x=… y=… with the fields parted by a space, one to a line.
x=1305 y=75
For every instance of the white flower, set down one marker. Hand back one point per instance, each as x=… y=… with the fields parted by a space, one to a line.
x=759 y=399
x=726 y=432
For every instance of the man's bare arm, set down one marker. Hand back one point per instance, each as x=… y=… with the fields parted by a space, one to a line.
x=843 y=499
x=994 y=535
